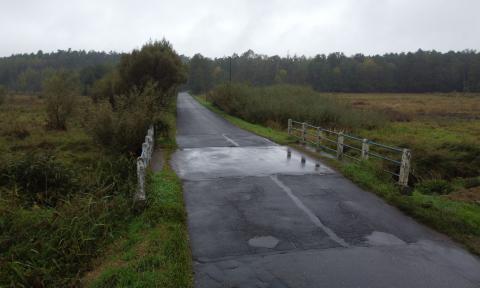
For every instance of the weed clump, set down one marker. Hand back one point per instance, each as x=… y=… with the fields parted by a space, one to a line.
x=38 y=179
x=472 y=182
x=17 y=130
x=435 y=186
x=54 y=219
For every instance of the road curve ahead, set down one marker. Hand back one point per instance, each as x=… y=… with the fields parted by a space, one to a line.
x=259 y=217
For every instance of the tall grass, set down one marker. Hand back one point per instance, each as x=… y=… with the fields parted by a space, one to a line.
x=62 y=198
x=274 y=105
x=47 y=241
x=155 y=251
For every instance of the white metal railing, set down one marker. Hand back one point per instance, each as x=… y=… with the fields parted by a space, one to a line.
x=342 y=143
x=142 y=163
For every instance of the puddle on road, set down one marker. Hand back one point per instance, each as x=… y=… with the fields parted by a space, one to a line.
x=263 y=242
x=378 y=238
x=215 y=162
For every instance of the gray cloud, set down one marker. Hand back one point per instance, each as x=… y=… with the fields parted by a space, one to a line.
x=218 y=28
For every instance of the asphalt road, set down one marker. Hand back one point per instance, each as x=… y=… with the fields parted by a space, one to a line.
x=259 y=218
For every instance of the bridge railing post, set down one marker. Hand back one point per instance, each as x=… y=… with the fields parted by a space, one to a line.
x=365 y=149
x=289 y=126
x=404 y=167
x=142 y=163
x=140 y=194
x=340 y=139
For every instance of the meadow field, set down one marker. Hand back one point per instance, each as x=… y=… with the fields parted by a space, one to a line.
x=443 y=130
x=62 y=196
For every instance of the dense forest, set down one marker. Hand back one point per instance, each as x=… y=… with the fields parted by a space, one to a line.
x=421 y=71
x=26 y=72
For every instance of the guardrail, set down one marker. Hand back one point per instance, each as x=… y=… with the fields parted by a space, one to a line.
x=142 y=163
x=344 y=146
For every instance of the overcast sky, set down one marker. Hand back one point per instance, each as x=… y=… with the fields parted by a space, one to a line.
x=218 y=28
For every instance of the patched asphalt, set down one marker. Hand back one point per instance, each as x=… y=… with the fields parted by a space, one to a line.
x=259 y=216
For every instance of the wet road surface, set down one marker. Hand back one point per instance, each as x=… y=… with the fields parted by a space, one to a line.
x=258 y=217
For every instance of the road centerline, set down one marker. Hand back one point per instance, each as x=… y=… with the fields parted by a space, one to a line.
x=315 y=220
x=230 y=140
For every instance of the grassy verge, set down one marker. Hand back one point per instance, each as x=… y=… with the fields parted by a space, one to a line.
x=459 y=220
x=155 y=250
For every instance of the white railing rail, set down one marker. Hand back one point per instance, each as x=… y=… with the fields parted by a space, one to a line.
x=142 y=163
x=358 y=148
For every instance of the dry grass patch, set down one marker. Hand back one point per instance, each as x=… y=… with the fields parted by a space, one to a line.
x=471 y=195
x=411 y=106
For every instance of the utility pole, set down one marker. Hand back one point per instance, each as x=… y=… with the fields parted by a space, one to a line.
x=230 y=60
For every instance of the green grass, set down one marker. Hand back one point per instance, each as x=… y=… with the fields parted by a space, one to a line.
x=155 y=251
x=459 y=220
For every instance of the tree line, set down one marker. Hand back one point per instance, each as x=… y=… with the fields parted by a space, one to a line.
x=25 y=73
x=420 y=71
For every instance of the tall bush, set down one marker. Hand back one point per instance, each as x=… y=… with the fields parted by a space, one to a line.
x=140 y=91
x=124 y=128
x=156 y=62
x=60 y=91
x=276 y=104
